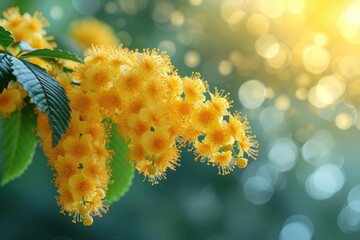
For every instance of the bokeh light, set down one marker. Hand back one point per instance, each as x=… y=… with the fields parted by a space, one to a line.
x=252 y=94
x=192 y=59
x=297 y=227
x=283 y=154
x=324 y=182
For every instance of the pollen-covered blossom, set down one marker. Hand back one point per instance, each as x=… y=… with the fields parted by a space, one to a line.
x=159 y=112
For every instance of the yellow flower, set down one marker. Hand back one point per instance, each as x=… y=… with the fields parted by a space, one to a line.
x=134 y=105
x=81 y=101
x=66 y=167
x=235 y=127
x=156 y=142
x=73 y=128
x=137 y=125
x=167 y=159
x=174 y=86
x=109 y=101
x=78 y=147
x=155 y=89
x=96 y=131
x=218 y=137
x=91 y=31
x=183 y=109
x=154 y=116
x=205 y=116
x=97 y=54
x=9 y=101
x=129 y=83
x=151 y=63
x=97 y=77
x=194 y=89
x=249 y=145
x=96 y=170
x=203 y=150
x=66 y=200
x=136 y=152
x=27 y=28
x=219 y=102
x=224 y=161
x=121 y=58
x=81 y=187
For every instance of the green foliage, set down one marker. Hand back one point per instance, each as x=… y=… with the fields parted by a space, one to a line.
x=6 y=38
x=18 y=143
x=122 y=172
x=5 y=71
x=52 y=54
x=47 y=94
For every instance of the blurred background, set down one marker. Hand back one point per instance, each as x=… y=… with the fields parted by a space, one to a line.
x=293 y=66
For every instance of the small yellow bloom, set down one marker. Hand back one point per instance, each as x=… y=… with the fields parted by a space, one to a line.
x=218 y=136
x=156 y=142
x=109 y=101
x=219 y=102
x=137 y=126
x=9 y=101
x=194 y=89
x=78 y=147
x=203 y=150
x=96 y=131
x=224 y=161
x=129 y=83
x=96 y=170
x=205 y=116
x=97 y=77
x=81 y=187
x=66 y=167
x=235 y=127
x=81 y=101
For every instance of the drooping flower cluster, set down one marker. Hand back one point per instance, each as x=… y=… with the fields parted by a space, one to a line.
x=156 y=111
x=159 y=112
x=80 y=159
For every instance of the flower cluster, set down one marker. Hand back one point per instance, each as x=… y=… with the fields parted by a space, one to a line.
x=158 y=112
x=24 y=28
x=11 y=99
x=80 y=159
x=27 y=28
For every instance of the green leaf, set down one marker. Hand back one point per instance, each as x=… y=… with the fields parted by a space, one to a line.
x=5 y=71
x=18 y=143
x=122 y=173
x=55 y=53
x=6 y=38
x=47 y=94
